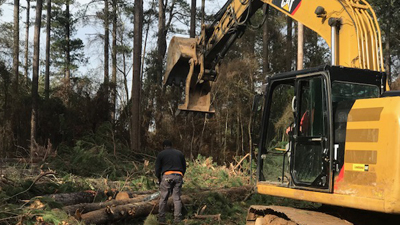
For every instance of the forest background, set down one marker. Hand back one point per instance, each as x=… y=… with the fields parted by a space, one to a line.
x=48 y=105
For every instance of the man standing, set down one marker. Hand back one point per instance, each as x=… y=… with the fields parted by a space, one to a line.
x=170 y=168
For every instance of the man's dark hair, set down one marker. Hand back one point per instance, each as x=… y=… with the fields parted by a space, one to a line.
x=167 y=143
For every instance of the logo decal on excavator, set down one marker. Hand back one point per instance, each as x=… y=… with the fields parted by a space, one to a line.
x=290 y=6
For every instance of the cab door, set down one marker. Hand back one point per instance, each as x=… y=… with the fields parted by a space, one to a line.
x=311 y=142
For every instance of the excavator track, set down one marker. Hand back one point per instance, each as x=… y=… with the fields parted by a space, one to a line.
x=281 y=215
x=324 y=215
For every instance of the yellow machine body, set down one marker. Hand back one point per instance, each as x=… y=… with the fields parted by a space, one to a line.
x=370 y=176
x=370 y=179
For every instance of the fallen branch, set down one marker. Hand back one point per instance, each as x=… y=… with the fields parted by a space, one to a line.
x=42 y=174
x=5 y=181
x=240 y=162
x=204 y=217
x=249 y=195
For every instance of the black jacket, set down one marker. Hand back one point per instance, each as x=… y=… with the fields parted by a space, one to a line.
x=170 y=160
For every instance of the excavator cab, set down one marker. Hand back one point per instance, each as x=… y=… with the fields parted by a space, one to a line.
x=315 y=128
x=304 y=124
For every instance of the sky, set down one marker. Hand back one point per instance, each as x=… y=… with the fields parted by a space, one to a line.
x=83 y=33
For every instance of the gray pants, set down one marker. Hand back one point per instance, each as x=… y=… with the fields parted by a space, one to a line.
x=170 y=185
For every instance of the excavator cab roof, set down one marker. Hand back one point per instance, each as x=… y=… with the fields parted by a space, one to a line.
x=339 y=73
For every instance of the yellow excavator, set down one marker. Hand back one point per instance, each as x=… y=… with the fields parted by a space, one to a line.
x=343 y=137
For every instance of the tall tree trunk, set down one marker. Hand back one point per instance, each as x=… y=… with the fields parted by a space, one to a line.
x=300 y=46
x=125 y=76
x=16 y=46
x=289 y=44
x=136 y=84
x=47 y=74
x=237 y=131
x=124 y=69
x=106 y=44
x=145 y=44
x=35 y=74
x=202 y=131
x=192 y=139
x=203 y=5
x=149 y=23
x=15 y=76
x=4 y=142
x=161 y=39
x=68 y=38
x=146 y=123
x=250 y=134
x=242 y=133
x=114 y=62
x=265 y=43
x=27 y=23
x=193 y=19
x=225 y=137
x=161 y=49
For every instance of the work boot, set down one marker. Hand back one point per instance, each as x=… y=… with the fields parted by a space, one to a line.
x=177 y=220
x=162 y=220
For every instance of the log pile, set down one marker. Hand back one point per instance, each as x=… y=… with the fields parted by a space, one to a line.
x=134 y=205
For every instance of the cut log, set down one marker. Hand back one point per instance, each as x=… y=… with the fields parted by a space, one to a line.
x=76 y=197
x=88 y=207
x=111 y=213
x=140 y=209
x=68 y=199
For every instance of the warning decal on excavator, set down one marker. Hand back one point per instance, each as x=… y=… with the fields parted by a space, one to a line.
x=290 y=6
x=360 y=167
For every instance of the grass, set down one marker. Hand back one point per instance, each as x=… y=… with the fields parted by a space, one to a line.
x=202 y=173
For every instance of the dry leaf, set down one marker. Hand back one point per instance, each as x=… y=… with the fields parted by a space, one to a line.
x=37 y=204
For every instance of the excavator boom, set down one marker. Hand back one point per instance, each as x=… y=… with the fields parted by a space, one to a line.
x=349 y=27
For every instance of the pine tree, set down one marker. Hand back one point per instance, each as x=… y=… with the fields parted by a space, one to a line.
x=48 y=29
x=66 y=51
x=16 y=46
x=35 y=76
x=136 y=83
x=27 y=24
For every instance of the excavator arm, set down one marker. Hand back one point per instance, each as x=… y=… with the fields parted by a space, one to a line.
x=349 y=27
